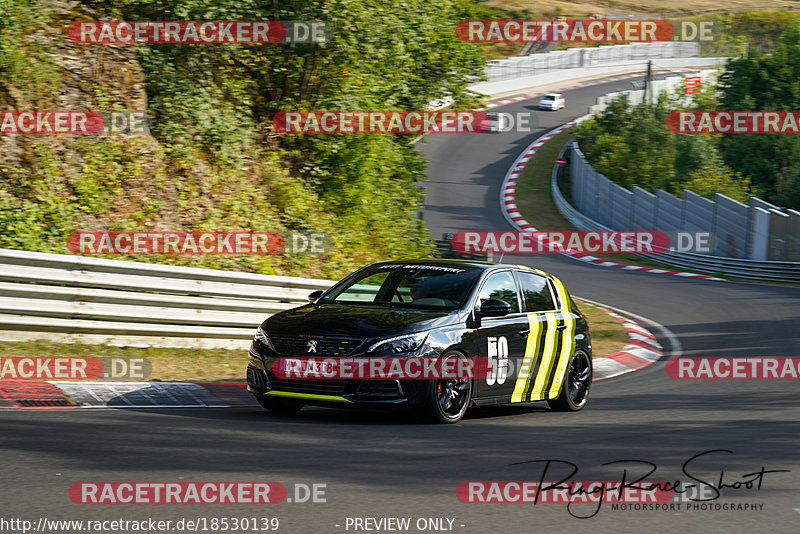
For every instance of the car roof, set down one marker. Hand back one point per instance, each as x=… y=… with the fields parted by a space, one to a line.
x=552 y=94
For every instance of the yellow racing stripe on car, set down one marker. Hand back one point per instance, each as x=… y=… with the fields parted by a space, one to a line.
x=567 y=341
x=534 y=269
x=307 y=396
x=548 y=356
x=567 y=347
x=531 y=354
x=563 y=296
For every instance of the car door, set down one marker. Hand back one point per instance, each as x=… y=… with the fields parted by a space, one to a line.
x=500 y=339
x=550 y=342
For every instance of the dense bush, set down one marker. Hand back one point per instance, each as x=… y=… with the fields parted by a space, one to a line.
x=633 y=146
x=766 y=82
x=213 y=161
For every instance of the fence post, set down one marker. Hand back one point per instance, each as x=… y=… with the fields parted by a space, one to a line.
x=748 y=237
x=761 y=231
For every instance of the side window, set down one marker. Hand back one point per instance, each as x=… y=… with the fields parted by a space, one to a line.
x=500 y=286
x=535 y=292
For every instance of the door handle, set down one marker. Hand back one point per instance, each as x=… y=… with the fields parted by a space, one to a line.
x=561 y=326
x=523 y=332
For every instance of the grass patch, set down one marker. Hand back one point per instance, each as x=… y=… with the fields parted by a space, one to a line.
x=534 y=197
x=608 y=334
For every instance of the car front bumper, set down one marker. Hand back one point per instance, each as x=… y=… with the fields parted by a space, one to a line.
x=383 y=392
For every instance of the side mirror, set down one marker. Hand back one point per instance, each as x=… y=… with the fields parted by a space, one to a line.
x=312 y=298
x=495 y=308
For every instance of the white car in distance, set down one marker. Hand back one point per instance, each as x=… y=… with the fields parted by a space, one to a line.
x=494 y=124
x=552 y=102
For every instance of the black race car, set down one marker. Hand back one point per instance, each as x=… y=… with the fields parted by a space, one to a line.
x=520 y=322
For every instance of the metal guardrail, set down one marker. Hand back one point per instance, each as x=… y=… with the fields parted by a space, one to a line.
x=536 y=47
x=590 y=57
x=445 y=249
x=671 y=14
x=77 y=298
x=85 y=299
x=770 y=271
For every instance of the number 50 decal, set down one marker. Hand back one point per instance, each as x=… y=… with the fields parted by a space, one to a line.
x=498 y=360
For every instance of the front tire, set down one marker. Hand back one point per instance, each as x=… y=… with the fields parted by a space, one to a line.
x=575 y=386
x=447 y=400
x=280 y=406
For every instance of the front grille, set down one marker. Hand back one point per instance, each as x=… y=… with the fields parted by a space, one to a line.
x=310 y=387
x=326 y=346
x=257 y=379
x=380 y=388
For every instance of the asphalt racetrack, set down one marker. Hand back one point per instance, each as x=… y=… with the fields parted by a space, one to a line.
x=379 y=466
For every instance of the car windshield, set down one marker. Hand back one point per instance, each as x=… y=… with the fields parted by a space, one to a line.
x=549 y=97
x=413 y=286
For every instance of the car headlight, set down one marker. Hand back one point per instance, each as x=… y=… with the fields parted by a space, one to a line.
x=405 y=343
x=262 y=336
x=255 y=360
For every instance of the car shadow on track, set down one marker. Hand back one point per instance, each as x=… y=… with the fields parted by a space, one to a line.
x=345 y=416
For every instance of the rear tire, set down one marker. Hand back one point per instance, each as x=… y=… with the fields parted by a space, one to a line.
x=447 y=400
x=280 y=406
x=576 y=384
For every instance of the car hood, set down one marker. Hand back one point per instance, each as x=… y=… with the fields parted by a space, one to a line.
x=363 y=321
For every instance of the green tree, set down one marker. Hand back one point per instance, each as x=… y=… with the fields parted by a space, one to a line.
x=631 y=145
x=215 y=161
x=766 y=82
x=710 y=179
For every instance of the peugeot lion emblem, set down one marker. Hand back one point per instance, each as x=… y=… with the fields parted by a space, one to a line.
x=312 y=345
